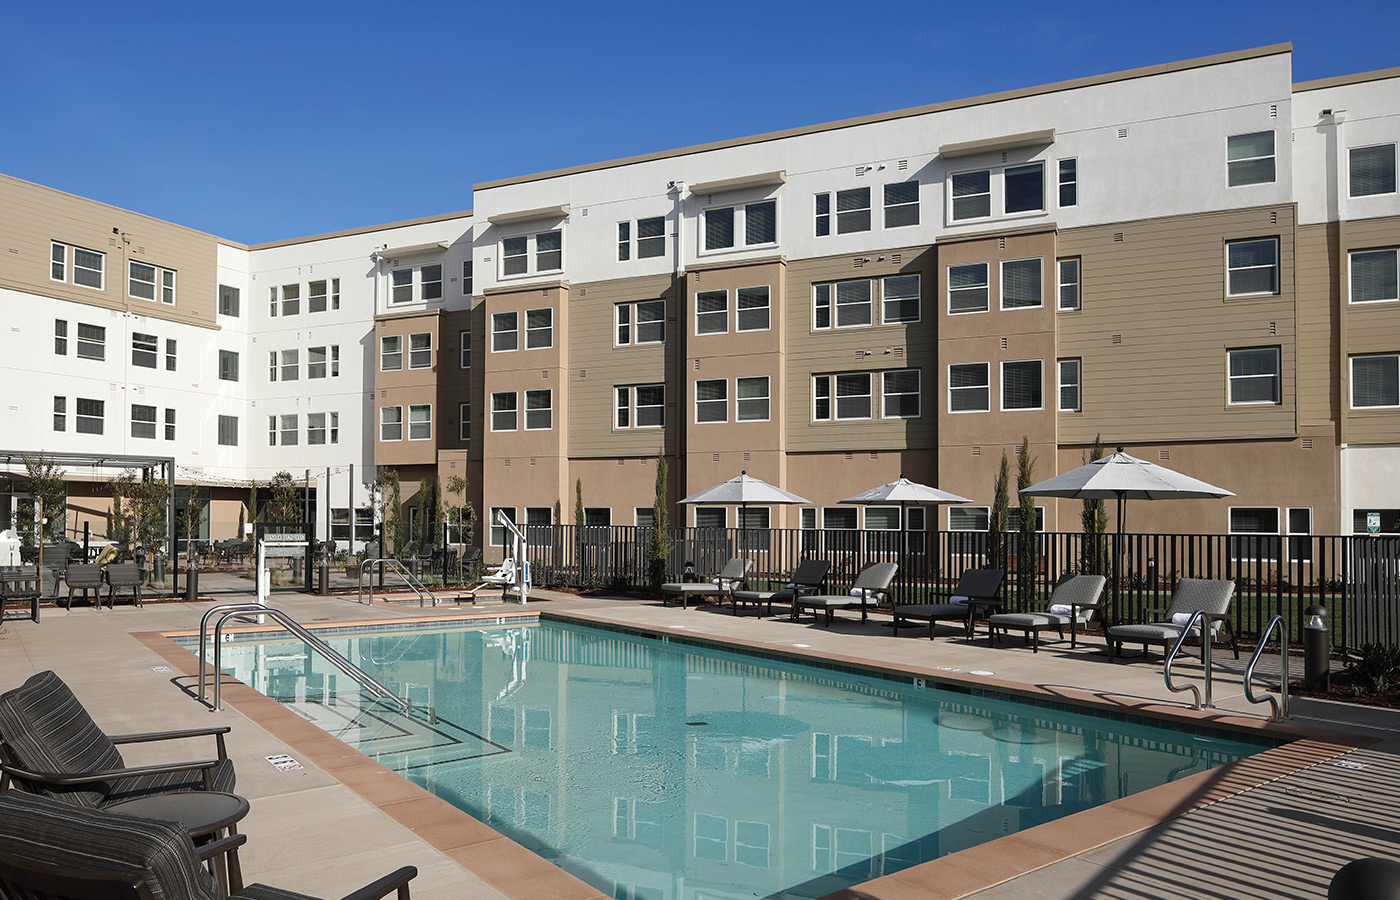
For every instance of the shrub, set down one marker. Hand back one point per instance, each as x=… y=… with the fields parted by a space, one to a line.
x=1377 y=668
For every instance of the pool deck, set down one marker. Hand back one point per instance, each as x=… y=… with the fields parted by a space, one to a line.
x=1276 y=826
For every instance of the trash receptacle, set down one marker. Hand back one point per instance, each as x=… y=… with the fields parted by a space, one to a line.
x=192 y=583
x=323 y=577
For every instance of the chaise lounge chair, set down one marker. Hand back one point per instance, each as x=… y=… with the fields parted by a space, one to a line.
x=1190 y=594
x=58 y=852
x=807 y=579
x=1073 y=602
x=868 y=591
x=50 y=745
x=976 y=589
x=729 y=578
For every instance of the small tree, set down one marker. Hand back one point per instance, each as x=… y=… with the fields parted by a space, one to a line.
x=996 y=522
x=391 y=511
x=659 y=547
x=463 y=512
x=252 y=503
x=193 y=515
x=139 y=510
x=1094 y=519
x=286 y=505
x=439 y=513
x=1028 y=545
x=242 y=523
x=48 y=483
x=421 y=526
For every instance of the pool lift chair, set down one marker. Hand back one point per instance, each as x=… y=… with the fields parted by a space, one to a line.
x=513 y=575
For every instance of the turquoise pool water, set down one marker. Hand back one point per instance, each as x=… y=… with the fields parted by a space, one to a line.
x=656 y=769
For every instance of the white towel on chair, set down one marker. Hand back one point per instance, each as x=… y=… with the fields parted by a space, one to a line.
x=1181 y=620
x=1061 y=609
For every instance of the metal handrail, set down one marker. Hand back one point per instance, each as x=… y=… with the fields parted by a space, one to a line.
x=1196 y=617
x=339 y=661
x=1280 y=703
x=417 y=586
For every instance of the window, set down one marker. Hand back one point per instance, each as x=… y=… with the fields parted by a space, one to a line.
x=167 y=287
x=1069 y=283
x=391 y=423
x=464 y=422
x=316 y=362
x=1254 y=376
x=882 y=518
x=503 y=411
x=1299 y=532
x=1254 y=532
x=539 y=328
x=900 y=397
x=712 y=312
x=1373 y=276
x=272 y=301
x=651 y=239
x=1371 y=170
x=712 y=400
x=420 y=422
x=58 y=262
x=144 y=348
x=1025 y=188
x=228 y=431
x=272 y=431
x=391 y=353
x=340 y=524
x=498 y=532
x=464 y=349
x=751 y=399
x=823 y=214
x=89 y=417
x=291 y=299
x=642 y=322
x=1069 y=385
x=901 y=204
x=1021 y=385
x=401 y=286
x=143 y=421
x=290 y=434
x=170 y=354
x=1069 y=182
x=853 y=306
x=967 y=288
x=315 y=428
x=92 y=341
x=624 y=241
x=272 y=365
x=1250 y=158
x=821 y=398
x=170 y=424
x=539 y=410
x=228 y=365
x=753 y=309
x=1252 y=267
x=141 y=282
x=1375 y=381
x=968 y=518
x=228 y=300
x=972 y=195
x=430 y=281
x=547 y=252
x=899 y=299
x=505 y=332
x=60 y=413
x=853 y=210
x=316 y=296
x=711 y=517
x=1020 y=284
x=420 y=350
x=641 y=406
x=60 y=337
x=291 y=365
x=758 y=222
x=89 y=268
x=852 y=397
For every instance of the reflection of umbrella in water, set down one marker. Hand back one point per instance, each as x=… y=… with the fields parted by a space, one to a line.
x=753 y=725
x=998 y=730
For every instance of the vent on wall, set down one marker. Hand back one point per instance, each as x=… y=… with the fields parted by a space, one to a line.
x=1164 y=454
x=1273 y=218
x=532 y=460
x=697 y=365
x=583 y=292
x=874 y=455
x=898 y=352
x=1122 y=132
x=976 y=451
x=1273 y=110
x=747 y=457
x=1117 y=237
x=507 y=464
x=714 y=457
x=1001 y=243
x=1004 y=344
x=903 y=164
x=583 y=373
x=1307 y=443
x=1117 y=339
x=619 y=462
x=850 y=455
x=897 y=258
x=1273 y=328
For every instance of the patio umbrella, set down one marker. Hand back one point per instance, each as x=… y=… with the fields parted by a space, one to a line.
x=903 y=491
x=742 y=491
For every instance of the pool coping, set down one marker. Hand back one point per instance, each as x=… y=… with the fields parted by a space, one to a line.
x=520 y=874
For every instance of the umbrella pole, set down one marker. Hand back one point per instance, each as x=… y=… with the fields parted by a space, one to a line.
x=1118 y=562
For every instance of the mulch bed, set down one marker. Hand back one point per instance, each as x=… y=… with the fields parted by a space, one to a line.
x=1342 y=690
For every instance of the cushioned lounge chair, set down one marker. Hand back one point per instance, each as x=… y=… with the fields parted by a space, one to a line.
x=85 y=578
x=806 y=579
x=51 y=850
x=976 y=589
x=868 y=591
x=1073 y=602
x=721 y=585
x=50 y=745
x=1190 y=594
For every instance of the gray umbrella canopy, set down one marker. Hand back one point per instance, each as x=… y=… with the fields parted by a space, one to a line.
x=743 y=490
x=902 y=490
x=1124 y=477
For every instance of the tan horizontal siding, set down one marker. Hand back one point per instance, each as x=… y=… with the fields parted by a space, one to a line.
x=1370 y=328
x=1319 y=358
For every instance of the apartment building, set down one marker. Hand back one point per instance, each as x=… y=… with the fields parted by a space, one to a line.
x=1194 y=260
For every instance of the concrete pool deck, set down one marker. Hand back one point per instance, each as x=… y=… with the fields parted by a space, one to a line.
x=342 y=820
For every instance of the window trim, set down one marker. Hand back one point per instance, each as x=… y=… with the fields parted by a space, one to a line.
x=1001 y=286
x=1078 y=383
x=530 y=330
x=740 y=220
x=514 y=330
x=696 y=401
x=632 y=308
x=1072 y=182
x=514 y=411
x=738 y=309
x=383 y=353
x=1002 y=374
x=80 y=417
x=428 y=350
x=383 y=439
x=1351 y=277
x=986 y=287
x=464 y=423
x=918 y=298
x=986 y=367
x=464 y=349
x=886 y=206
x=767 y=398
x=1277 y=267
x=1351 y=380
x=531 y=256
x=631 y=408
x=1277 y=377
x=1394 y=147
x=411 y=410
x=143 y=422
x=1061 y=284
x=549 y=409
x=698 y=313
x=918 y=393
x=1273 y=156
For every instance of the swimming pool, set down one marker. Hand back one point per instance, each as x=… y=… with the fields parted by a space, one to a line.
x=655 y=768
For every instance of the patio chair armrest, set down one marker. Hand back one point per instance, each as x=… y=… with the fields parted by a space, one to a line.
x=218 y=731
x=208 y=851
x=395 y=881
x=1094 y=605
x=74 y=778
x=1218 y=617
x=1154 y=610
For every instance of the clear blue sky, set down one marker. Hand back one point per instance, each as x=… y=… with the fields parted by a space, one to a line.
x=259 y=121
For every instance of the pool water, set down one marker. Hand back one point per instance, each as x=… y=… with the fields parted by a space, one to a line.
x=654 y=769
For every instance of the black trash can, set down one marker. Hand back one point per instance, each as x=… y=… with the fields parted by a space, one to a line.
x=192 y=583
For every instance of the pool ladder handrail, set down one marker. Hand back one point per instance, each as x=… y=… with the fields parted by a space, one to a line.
x=391 y=562
x=1200 y=618
x=229 y=610
x=1280 y=702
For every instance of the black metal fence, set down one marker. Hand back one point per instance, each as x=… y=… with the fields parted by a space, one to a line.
x=1356 y=577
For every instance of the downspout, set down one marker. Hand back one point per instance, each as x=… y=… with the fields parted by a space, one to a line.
x=1336 y=211
x=679 y=333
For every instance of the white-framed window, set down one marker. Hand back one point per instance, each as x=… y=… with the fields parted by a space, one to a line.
x=649 y=235
x=60 y=413
x=464 y=349
x=58 y=262
x=539 y=410
x=409 y=283
x=391 y=423
x=430 y=281
x=143 y=421
x=1374 y=275
x=1024 y=187
x=1254 y=532
x=900 y=299
x=1069 y=182
x=1370 y=170
x=640 y=322
x=900 y=392
x=841 y=397
x=712 y=312
x=144 y=348
x=60 y=337
x=291 y=299
x=335 y=293
x=290 y=430
x=1251 y=267
x=969 y=518
x=498 y=532
x=756 y=223
x=1299 y=520
x=315 y=428
x=1375 y=382
x=141 y=280
x=228 y=431
x=167 y=287
x=420 y=350
x=853 y=210
x=711 y=517
x=92 y=341
x=88 y=267
x=1250 y=158
x=901 y=204
x=1254 y=376
x=467 y=278
x=272 y=301
x=971 y=194
x=1069 y=385
x=316 y=296
x=1021 y=284
x=1068 y=270
x=751 y=399
x=639 y=406
x=1022 y=384
x=753 y=308
x=1022 y=190
x=391 y=353
x=969 y=387
x=401 y=285
x=711 y=400
x=291 y=365
x=420 y=422
x=505 y=332
x=846 y=304
x=532 y=254
x=539 y=328
x=316 y=362
x=504 y=411
x=171 y=357
x=89 y=415
x=822 y=214
x=464 y=422
x=967 y=288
